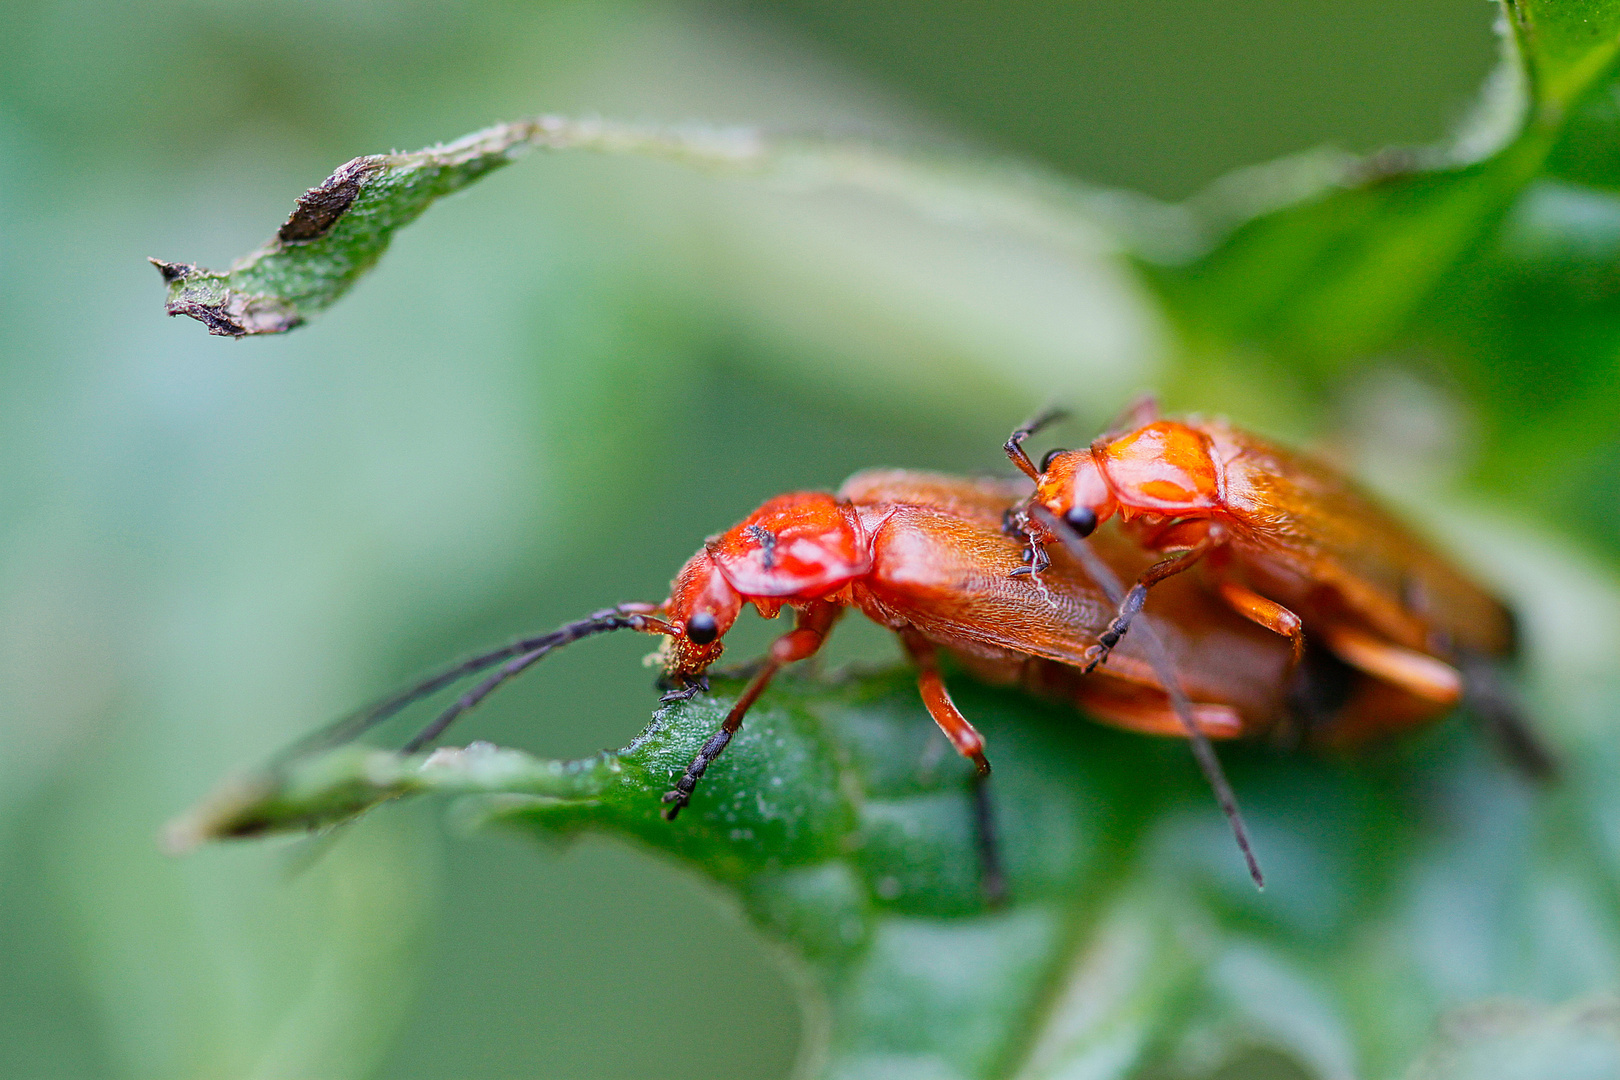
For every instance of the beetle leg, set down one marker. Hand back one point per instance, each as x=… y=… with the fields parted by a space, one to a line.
x=1131 y=606
x=1138 y=414
x=802 y=641
x=1035 y=558
x=1496 y=704
x=1418 y=673
x=1203 y=752
x=1267 y=613
x=686 y=691
x=962 y=734
x=1015 y=524
x=1149 y=711
x=970 y=744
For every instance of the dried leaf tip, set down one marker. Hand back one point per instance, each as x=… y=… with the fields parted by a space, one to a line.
x=235 y=808
x=173 y=272
x=319 y=208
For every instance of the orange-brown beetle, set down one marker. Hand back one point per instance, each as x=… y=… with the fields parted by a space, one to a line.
x=1295 y=547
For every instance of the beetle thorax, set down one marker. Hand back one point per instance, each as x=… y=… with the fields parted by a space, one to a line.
x=801 y=547
x=1164 y=468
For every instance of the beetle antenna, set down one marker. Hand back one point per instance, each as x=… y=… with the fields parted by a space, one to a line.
x=1159 y=657
x=1015 y=443
x=521 y=654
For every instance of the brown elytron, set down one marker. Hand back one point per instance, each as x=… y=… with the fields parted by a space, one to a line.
x=1292 y=545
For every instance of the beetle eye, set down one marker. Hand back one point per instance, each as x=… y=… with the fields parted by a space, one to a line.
x=701 y=629
x=1082 y=519
x=1046 y=462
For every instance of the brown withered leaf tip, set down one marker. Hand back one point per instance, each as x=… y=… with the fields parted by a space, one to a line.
x=214 y=316
x=202 y=295
x=319 y=208
x=173 y=272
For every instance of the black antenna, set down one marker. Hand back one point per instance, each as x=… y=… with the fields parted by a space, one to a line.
x=522 y=654
x=1159 y=657
x=1015 y=443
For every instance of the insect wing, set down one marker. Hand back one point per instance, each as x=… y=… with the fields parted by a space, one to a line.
x=1301 y=515
x=984 y=500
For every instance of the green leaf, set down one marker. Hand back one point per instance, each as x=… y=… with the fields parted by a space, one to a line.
x=338 y=230
x=1507 y=1040
x=1399 y=884
x=846 y=833
x=1567 y=46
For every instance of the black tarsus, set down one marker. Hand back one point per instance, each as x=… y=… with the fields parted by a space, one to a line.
x=818 y=621
x=686 y=691
x=992 y=879
x=712 y=748
x=527 y=650
x=1203 y=751
x=1129 y=609
x=1131 y=605
x=715 y=744
x=1497 y=706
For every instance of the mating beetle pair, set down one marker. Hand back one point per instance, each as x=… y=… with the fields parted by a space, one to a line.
x=1317 y=616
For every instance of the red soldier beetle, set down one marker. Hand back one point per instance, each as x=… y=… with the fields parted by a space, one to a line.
x=1292 y=545
x=926 y=556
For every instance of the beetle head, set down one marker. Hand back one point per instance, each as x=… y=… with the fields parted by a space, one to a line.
x=701 y=607
x=1074 y=488
x=796 y=547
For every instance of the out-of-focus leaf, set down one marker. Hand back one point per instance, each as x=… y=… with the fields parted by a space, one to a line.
x=1566 y=47
x=1490 y=259
x=1341 y=272
x=229 y=966
x=1509 y=1040
x=1530 y=326
x=1399 y=885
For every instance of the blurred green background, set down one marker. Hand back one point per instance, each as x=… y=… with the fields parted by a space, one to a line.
x=549 y=393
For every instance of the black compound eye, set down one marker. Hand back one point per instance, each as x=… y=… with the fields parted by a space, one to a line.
x=1082 y=519
x=1046 y=462
x=702 y=628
